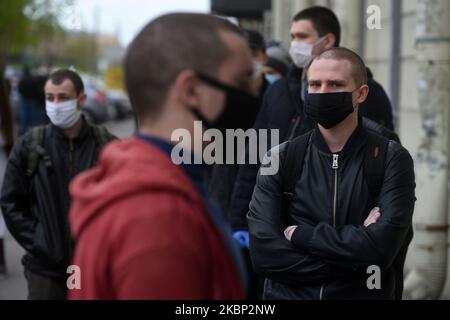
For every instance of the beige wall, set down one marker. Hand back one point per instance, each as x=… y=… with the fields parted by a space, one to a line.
x=377 y=55
x=409 y=126
x=377 y=50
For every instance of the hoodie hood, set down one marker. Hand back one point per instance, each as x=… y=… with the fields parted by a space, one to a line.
x=125 y=168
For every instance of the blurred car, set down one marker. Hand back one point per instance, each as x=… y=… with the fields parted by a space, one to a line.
x=96 y=107
x=120 y=103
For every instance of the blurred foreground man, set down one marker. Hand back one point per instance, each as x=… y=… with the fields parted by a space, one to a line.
x=340 y=209
x=145 y=227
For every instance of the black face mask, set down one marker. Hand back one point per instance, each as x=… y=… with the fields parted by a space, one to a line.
x=239 y=112
x=329 y=109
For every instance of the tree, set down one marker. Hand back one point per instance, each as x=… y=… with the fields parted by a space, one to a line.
x=25 y=23
x=13 y=26
x=81 y=51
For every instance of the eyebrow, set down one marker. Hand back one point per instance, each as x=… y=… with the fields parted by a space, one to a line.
x=335 y=81
x=61 y=94
x=300 y=34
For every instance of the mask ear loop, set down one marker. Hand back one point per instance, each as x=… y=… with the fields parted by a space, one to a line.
x=79 y=106
x=320 y=40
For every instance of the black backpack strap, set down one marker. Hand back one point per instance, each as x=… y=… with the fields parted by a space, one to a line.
x=297 y=104
x=36 y=150
x=102 y=135
x=292 y=91
x=374 y=163
x=292 y=168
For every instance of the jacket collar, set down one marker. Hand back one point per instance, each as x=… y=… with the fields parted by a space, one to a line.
x=295 y=72
x=59 y=133
x=357 y=139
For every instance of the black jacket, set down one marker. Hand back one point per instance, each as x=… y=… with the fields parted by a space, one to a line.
x=36 y=208
x=220 y=178
x=331 y=250
x=377 y=106
x=282 y=109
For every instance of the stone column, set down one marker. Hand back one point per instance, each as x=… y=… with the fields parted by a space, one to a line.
x=427 y=278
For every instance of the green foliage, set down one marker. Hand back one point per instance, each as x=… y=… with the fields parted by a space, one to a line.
x=82 y=51
x=25 y=23
x=31 y=33
x=14 y=24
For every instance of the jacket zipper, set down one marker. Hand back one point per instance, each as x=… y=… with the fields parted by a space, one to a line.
x=294 y=127
x=335 y=167
x=71 y=173
x=71 y=158
x=321 y=292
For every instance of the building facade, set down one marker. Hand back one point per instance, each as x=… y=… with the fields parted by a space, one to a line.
x=406 y=44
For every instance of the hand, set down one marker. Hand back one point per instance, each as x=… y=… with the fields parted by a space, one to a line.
x=289 y=232
x=243 y=238
x=373 y=217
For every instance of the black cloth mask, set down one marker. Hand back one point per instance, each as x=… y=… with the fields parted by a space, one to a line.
x=329 y=109
x=239 y=112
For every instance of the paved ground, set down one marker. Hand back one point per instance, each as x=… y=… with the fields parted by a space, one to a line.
x=13 y=287
x=122 y=129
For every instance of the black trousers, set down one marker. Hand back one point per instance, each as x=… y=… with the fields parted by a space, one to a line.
x=44 y=288
x=255 y=281
x=2 y=258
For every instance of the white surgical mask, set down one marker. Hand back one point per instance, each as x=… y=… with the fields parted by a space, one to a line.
x=301 y=53
x=257 y=69
x=63 y=114
x=272 y=78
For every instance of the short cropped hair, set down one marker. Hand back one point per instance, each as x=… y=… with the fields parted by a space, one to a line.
x=59 y=76
x=324 y=21
x=359 y=70
x=167 y=46
x=255 y=40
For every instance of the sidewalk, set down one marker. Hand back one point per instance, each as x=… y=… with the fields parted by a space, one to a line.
x=14 y=286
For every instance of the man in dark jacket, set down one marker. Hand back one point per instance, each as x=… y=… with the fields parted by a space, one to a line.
x=35 y=194
x=257 y=45
x=31 y=90
x=220 y=178
x=313 y=30
x=326 y=242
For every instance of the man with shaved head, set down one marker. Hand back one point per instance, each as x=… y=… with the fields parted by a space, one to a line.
x=146 y=227
x=335 y=222
x=313 y=30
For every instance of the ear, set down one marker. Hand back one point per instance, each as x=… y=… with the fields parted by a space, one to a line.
x=185 y=87
x=261 y=57
x=81 y=100
x=331 y=41
x=363 y=93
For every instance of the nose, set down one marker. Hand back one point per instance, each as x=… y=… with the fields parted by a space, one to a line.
x=323 y=89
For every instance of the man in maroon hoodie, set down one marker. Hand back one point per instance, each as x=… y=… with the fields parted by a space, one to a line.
x=145 y=227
